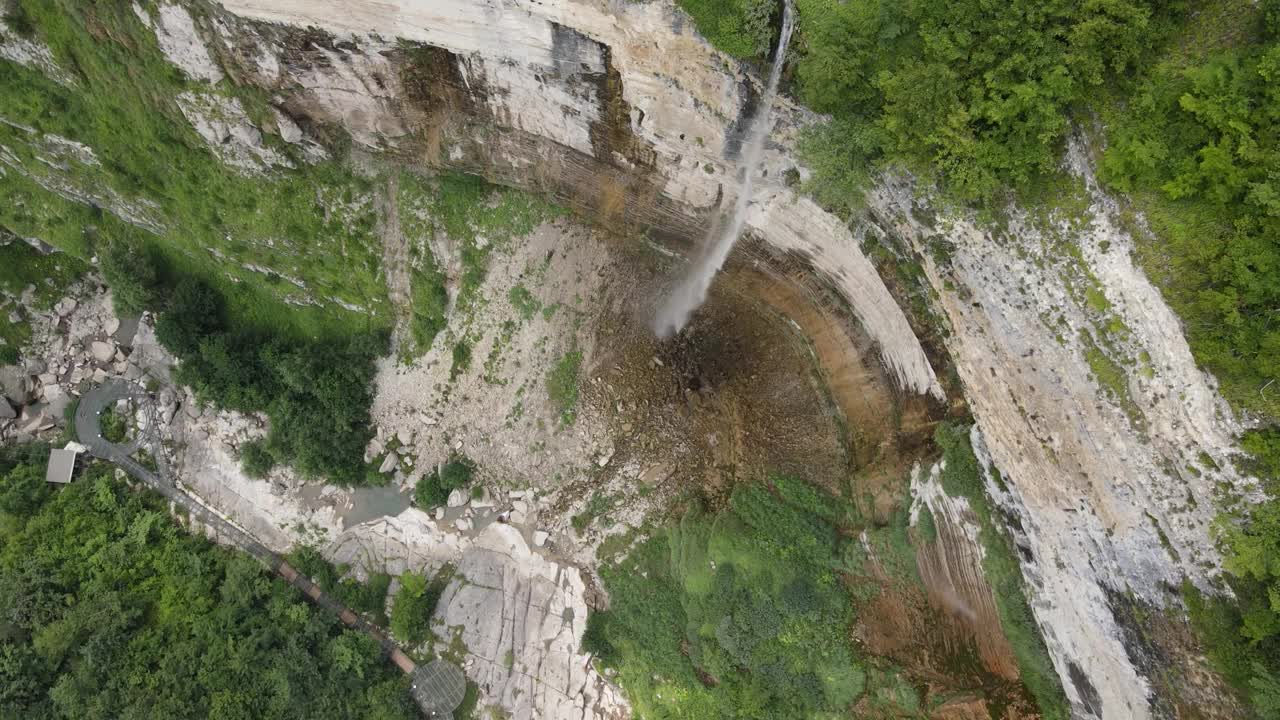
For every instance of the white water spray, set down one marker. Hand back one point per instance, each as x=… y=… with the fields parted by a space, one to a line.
x=692 y=291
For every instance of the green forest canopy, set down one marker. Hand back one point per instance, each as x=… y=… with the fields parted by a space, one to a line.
x=108 y=610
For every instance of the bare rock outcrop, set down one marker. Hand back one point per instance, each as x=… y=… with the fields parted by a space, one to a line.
x=521 y=618
x=1093 y=409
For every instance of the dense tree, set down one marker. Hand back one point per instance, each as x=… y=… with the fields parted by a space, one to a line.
x=22 y=490
x=411 y=613
x=110 y=611
x=316 y=393
x=972 y=93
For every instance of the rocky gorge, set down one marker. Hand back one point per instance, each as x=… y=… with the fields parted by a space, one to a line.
x=1105 y=448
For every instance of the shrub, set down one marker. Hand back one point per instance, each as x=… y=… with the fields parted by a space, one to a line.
x=255 y=459
x=433 y=488
x=430 y=303
x=101 y=590
x=595 y=639
x=115 y=427
x=461 y=358
x=131 y=275
x=415 y=603
x=742 y=28
x=23 y=489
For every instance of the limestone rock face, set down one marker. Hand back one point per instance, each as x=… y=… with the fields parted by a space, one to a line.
x=1107 y=478
x=622 y=106
x=178 y=40
x=521 y=618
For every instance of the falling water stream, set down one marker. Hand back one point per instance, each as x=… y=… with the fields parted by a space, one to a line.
x=692 y=290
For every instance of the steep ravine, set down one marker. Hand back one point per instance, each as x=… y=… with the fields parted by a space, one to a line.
x=1111 y=444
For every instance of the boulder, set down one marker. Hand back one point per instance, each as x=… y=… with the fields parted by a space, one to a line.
x=540 y=537
x=405 y=436
x=103 y=352
x=36 y=366
x=111 y=326
x=65 y=307
x=389 y=463
x=457 y=498
x=33 y=421
x=56 y=399
x=462 y=524
x=289 y=130
x=17 y=385
x=6 y=410
x=604 y=459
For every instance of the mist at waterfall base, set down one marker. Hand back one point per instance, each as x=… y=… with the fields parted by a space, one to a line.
x=689 y=295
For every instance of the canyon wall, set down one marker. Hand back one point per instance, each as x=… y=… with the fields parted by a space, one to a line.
x=1110 y=442
x=1076 y=370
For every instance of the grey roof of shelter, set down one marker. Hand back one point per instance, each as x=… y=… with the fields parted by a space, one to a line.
x=439 y=687
x=61 y=465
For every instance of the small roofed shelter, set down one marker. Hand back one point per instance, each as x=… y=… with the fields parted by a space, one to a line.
x=62 y=463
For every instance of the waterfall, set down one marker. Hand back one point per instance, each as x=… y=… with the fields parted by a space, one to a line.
x=692 y=291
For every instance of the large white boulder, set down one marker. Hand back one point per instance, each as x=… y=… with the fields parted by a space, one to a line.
x=102 y=351
x=457 y=498
x=389 y=463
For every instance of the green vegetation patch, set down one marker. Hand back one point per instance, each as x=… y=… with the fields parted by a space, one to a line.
x=1243 y=637
x=369 y=597
x=115 y=427
x=461 y=358
x=1197 y=143
x=429 y=305
x=974 y=95
x=744 y=29
x=313 y=224
x=562 y=385
x=414 y=604
x=111 y=611
x=524 y=302
x=480 y=218
x=738 y=613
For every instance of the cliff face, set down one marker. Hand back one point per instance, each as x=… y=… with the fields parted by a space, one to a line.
x=1110 y=442
x=1114 y=446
